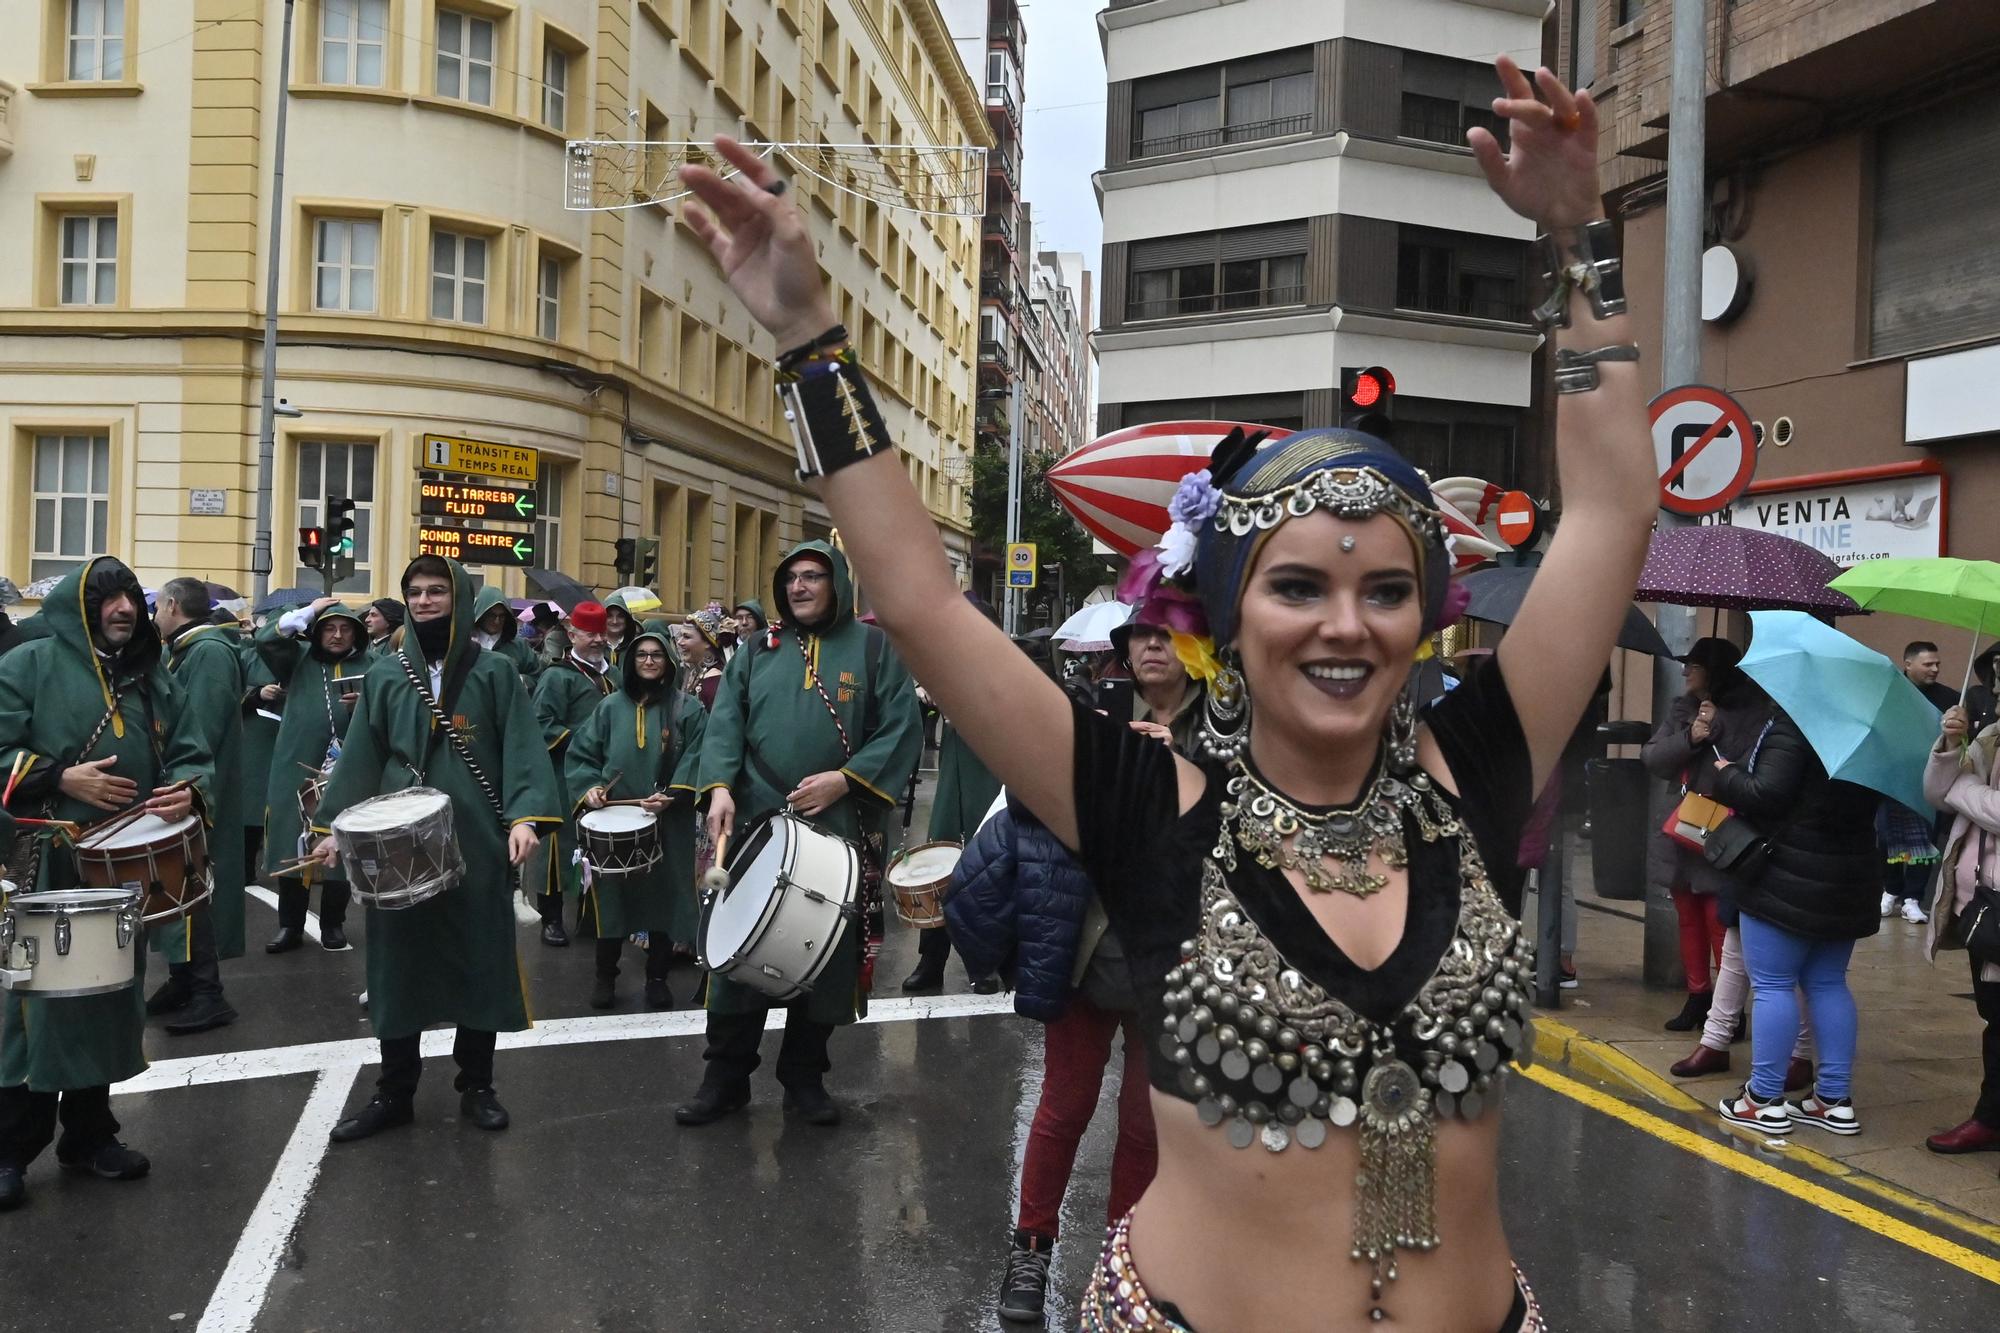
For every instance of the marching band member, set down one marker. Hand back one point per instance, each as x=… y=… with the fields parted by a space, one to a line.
x=440 y=713
x=89 y=722
x=642 y=744
x=499 y=632
x=565 y=693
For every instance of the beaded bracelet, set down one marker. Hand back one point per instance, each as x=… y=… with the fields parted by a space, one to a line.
x=833 y=338
x=832 y=413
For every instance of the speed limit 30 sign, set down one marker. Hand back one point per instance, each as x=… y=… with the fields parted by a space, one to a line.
x=1704 y=449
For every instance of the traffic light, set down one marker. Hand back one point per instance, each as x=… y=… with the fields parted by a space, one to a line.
x=626 y=559
x=312 y=548
x=339 y=536
x=649 y=561
x=1368 y=400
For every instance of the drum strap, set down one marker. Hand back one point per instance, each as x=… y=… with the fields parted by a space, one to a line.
x=27 y=865
x=441 y=723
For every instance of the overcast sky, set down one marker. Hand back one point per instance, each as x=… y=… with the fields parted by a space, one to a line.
x=1063 y=126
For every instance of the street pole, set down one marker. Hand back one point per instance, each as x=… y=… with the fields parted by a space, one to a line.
x=1013 y=612
x=1680 y=363
x=260 y=555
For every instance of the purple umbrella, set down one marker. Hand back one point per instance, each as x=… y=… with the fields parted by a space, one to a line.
x=1739 y=569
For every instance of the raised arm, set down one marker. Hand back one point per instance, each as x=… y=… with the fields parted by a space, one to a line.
x=1558 y=646
x=1014 y=717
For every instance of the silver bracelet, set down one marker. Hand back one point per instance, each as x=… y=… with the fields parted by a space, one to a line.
x=1588 y=262
x=1576 y=372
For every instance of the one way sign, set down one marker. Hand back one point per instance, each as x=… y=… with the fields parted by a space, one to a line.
x=1704 y=448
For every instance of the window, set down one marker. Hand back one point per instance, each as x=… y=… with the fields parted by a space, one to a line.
x=1246 y=268
x=337 y=467
x=1457 y=273
x=72 y=502
x=548 y=298
x=1449 y=439
x=89 y=259
x=1629 y=11
x=345 y=257
x=1934 y=274
x=95 y=41
x=1281 y=411
x=655 y=341
x=351 y=38
x=1444 y=98
x=549 y=512
x=1583 y=43
x=696 y=553
x=1261 y=97
x=458 y=277
x=555 y=86
x=465 y=45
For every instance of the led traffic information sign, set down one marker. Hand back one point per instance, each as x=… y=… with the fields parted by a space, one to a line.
x=477 y=546
x=465 y=499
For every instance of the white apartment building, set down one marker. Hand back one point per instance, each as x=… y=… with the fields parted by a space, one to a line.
x=1286 y=191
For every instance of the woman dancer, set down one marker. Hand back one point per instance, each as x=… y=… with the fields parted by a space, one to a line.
x=1316 y=919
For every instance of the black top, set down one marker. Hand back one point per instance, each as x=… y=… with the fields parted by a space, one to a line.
x=1146 y=858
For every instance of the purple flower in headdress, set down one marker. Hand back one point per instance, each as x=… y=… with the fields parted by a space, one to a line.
x=1160 y=600
x=1195 y=500
x=1456 y=598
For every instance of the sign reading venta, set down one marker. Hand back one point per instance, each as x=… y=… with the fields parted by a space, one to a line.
x=1850 y=519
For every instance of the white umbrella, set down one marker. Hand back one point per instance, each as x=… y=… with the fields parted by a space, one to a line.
x=1089 y=630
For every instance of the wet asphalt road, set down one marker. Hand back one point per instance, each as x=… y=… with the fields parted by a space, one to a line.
x=594 y=1212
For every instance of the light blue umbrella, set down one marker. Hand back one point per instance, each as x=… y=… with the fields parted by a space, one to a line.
x=1861 y=715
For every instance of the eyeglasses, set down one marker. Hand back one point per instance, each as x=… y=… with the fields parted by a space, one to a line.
x=649 y=657
x=809 y=577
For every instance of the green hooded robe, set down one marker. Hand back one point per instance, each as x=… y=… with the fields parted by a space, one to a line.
x=769 y=730
x=614 y=652
x=509 y=645
x=53 y=692
x=314 y=715
x=966 y=789
x=652 y=740
x=565 y=697
x=206 y=662
x=449 y=959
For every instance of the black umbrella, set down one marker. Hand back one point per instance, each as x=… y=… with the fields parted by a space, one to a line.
x=1496 y=597
x=284 y=599
x=561 y=589
x=221 y=592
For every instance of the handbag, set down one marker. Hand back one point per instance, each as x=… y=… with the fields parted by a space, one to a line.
x=1692 y=821
x=1980 y=926
x=1735 y=847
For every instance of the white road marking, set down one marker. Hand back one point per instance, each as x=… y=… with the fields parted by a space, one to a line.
x=246 y=1281
x=270 y=900
x=309 y=1057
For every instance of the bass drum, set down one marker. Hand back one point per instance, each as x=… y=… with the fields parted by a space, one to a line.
x=793 y=892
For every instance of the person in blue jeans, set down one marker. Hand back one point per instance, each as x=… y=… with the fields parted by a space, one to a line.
x=1801 y=914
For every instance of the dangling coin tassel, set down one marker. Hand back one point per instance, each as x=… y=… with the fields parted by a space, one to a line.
x=1395 y=1196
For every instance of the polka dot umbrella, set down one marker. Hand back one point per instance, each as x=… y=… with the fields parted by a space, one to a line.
x=1739 y=569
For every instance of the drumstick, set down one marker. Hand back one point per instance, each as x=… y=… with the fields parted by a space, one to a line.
x=715 y=878
x=298 y=865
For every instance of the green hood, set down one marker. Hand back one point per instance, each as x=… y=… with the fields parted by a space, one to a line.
x=617 y=599
x=70 y=610
x=341 y=611
x=460 y=648
x=843 y=585
x=755 y=608
x=654 y=629
x=488 y=599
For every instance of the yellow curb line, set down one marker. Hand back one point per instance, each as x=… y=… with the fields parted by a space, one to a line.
x=1559 y=1044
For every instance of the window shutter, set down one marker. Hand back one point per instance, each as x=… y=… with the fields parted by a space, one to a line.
x=1936 y=276
x=1173 y=251
x=1285 y=238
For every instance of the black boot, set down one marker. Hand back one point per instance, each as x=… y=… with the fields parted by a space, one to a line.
x=333 y=939
x=483 y=1109
x=926 y=975
x=108 y=1161
x=813 y=1104
x=208 y=1010
x=173 y=994
x=1693 y=1014
x=658 y=994
x=382 y=1112
x=333 y=900
x=287 y=939
x=292 y=899
x=13 y=1188
x=712 y=1101
x=605 y=993
x=1024 y=1287
x=553 y=933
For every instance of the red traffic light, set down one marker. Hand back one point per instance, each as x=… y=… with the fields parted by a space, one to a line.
x=309 y=536
x=1367 y=388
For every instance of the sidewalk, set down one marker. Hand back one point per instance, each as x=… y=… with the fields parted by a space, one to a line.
x=1917 y=1069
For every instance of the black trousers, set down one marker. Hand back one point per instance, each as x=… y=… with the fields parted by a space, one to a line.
x=294 y=898
x=733 y=1040
x=1905 y=880
x=402 y=1062
x=659 y=953
x=934 y=945
x=28 y=1123
x=202 y=973
x=1986 y=996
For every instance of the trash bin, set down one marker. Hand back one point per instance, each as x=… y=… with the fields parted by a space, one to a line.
x=1618 y=789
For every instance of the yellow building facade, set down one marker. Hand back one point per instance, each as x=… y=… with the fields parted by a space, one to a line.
x=432 y=281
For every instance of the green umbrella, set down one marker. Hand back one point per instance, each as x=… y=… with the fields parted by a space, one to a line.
x=1965 y=593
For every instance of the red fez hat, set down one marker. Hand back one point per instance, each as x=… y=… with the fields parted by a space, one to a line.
x=589 y=617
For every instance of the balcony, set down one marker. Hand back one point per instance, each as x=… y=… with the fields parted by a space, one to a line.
x=994 y=353
x=999 y=227
x=1006 y=30
x=1002 y=168
x=1222 y=136
x=999 y=98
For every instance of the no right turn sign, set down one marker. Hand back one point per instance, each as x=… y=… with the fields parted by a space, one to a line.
x=1704 y=449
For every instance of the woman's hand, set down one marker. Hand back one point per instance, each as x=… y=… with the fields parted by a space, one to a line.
x=655 y=803
x=521 y=842
x=594 y=798
x=1698 y=731
x=761 y=243
x=95 y=787
x=1155 y=730
x=328 y=852
x=171 y=803
x=1956 y=724
x=1548 y=172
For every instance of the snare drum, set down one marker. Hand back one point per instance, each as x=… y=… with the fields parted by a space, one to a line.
x=166 y=862
x=400 y=849
x=793 y=890
x=70 y=942
x=920 y=876
x=619 y=840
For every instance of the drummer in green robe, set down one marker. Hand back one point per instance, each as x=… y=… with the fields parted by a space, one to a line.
x=206 y=662
x=499 y=632
x=566 y=693
x=966 y=789
x=449 y=958
x=90 y=723
x=321 y=653
x=772 y=742
x=641 y=744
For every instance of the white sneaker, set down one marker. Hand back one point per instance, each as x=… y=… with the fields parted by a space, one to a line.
x=1888 y=904
x=1913 y=913
x=1834 y=1117
x=1744 y=1110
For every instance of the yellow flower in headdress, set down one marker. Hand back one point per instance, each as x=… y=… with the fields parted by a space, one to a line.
x=1197 y=654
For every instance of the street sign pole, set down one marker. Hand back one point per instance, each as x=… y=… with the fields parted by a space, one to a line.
x=1013 y=612
x=267 y=413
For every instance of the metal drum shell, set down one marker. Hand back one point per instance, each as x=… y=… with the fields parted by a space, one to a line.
x=810 y=900
x=68 y=943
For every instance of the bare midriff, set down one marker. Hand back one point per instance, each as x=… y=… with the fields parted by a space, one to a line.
x=1244 y=1240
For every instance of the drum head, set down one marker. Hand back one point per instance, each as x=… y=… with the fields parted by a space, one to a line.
x=616 y=819
x=74 y=900
x=398 y=809
x=144 y=831
x=926 y=864
x=753 y=880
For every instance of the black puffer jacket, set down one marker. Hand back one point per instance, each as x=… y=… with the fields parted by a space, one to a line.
x=1823 y=880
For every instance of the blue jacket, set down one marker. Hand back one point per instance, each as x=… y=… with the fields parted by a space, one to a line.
x=1017 y=905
